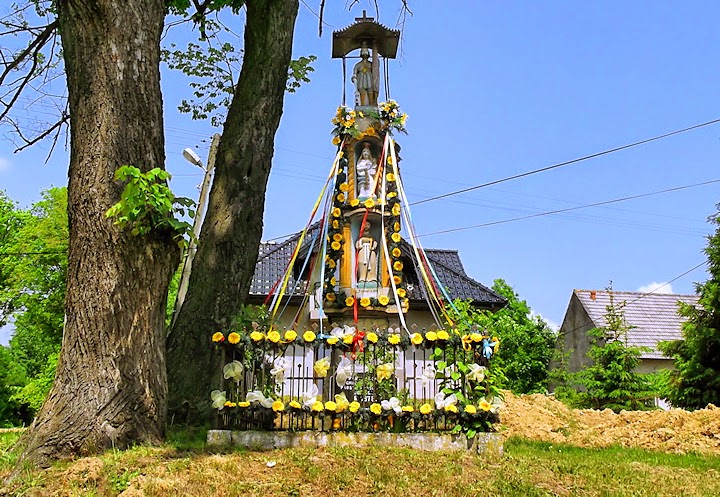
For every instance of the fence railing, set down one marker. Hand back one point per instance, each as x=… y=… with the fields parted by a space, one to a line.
x=382 y=380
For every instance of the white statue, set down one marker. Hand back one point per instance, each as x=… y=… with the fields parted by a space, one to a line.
x=367 y=268
x=365 y=79
x=365 y=171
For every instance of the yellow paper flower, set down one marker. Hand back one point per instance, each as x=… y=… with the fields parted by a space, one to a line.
x=416 y=338
x=335 y=245
x=383 y=300
x=233 y=338
x=354 y=202
x=278 y=406
x=342 y=402
x=392 y=195
x=443 y=335
x=396 y=252
x=344 y=187
x=395 y=237
x=350 y=301
x=390 y=177
x=398 y=265
x=336 y=140
x=336 y=212
x=365 y=302
x=244 y=403
x=394 y=339
x=273 y=336
x=256 y=336
x=431 y=336
x=470 y=409
x=484 y=405
x=385 y=371
x=308 y=336
x=426 y=409
x=401 y=292
x=396 y=226
x=354 y=407
x=372 y=337
x=451 y=408
x=337 y=237
x=330 y=296
x=321 y=367
x=476 y=337
x=348 y=339
x=369 y=203
x=330 y=405
x=318 y=406
x=376 y=409
x=370 y=131
x=333 y=340
x=331 y=263
x=390 y=160
x=397 y=279
x=295 y=404
x=340 y=197
x=218 y=337
x=396 y=210
x=290 y=335
x=408 y=408
x=335 y=224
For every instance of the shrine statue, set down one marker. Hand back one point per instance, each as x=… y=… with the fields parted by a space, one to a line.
x=367 y=268
x=365 y=79
x=365 y=171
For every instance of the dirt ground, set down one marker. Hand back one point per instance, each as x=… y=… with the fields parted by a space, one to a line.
x=539 y=417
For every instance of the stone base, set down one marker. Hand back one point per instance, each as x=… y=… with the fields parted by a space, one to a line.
x=489 y=444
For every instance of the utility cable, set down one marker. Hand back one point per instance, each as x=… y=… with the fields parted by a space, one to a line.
x=558 y=211
x=561 y=164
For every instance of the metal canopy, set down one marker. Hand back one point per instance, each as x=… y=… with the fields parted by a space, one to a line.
x=365 y=30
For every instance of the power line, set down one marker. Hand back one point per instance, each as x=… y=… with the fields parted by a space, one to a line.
x=557 y=211
x=561 y=164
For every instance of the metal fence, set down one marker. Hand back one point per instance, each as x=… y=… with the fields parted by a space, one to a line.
x=359 y=382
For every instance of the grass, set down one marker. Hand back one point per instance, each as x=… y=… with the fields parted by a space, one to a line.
x=184 y=466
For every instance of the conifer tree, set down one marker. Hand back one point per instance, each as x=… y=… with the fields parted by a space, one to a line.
x=695 y=381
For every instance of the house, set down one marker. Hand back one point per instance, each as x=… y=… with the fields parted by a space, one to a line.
x=652 y=318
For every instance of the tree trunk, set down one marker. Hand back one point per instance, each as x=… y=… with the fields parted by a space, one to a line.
x=228 y=248
x=110 y=388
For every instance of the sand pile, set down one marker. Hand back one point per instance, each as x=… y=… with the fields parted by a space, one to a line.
x=539 y=417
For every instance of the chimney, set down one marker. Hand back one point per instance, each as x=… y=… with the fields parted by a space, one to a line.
x=593 y=294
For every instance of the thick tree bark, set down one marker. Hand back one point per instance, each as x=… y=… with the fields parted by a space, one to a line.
x=228 y=248
x=110 y=388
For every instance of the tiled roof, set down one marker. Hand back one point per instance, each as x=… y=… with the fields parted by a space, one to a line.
x=653 y=317
x=274 y=257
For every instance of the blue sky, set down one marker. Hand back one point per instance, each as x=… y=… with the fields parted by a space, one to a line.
x=494 y=89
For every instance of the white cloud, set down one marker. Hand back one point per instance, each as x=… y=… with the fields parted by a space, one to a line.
x=4 y=164
x=656 y=287
x=552 y=324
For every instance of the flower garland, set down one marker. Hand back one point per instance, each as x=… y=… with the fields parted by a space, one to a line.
x=388 y=114
x=392 y=233
x=273 y=339
x=335 y=239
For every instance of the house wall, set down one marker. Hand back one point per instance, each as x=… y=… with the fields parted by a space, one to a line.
x=574 y=341
x=421 y=318
x=653 y=365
